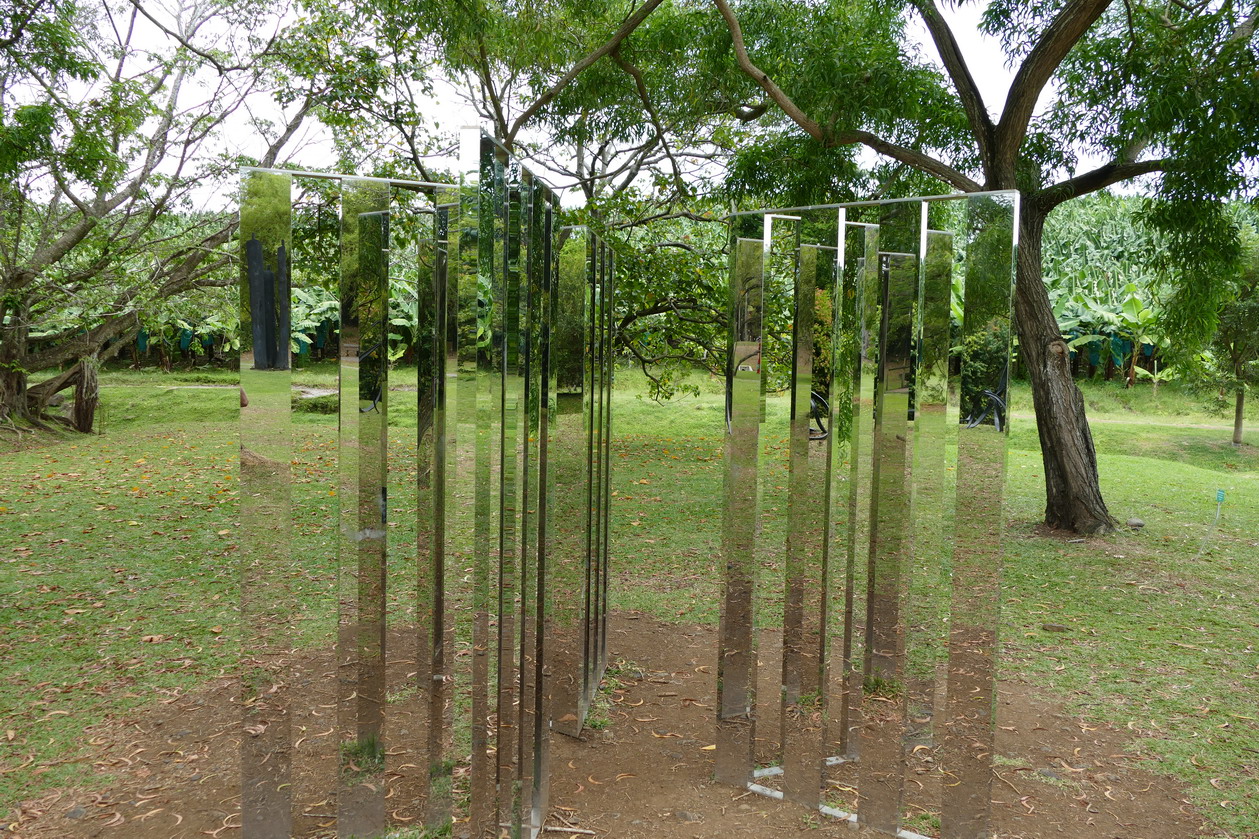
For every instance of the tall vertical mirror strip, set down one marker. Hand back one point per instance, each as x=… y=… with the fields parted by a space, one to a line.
x=894 y=452
x=991 y=231
x=566 y=636
x=883 y=715
x=266 y=451
x=607 y=291
x=806 y=612
x=736 y=663
x=364 y=387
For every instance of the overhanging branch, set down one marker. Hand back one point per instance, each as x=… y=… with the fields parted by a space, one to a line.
x=790 y=108
x=910 y=157
x=1099 y=178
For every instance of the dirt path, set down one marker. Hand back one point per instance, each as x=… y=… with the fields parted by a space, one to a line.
x=170 y=772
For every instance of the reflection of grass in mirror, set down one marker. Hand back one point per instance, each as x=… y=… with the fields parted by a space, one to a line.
x=421 y=832
x=599 y=716
x=879 y=686
x=925 y=823
x=361 y=759
x=167 y=463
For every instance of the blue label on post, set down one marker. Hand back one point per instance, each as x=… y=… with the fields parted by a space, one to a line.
x=1219 y=496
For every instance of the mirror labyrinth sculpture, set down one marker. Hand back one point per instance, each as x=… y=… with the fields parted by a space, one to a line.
x=472 y=504
x=899 y=333
x=466 y=611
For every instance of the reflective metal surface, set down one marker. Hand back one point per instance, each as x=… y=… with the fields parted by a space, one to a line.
x=736 y=662
x=991 y=232
x=266 y=449
x=496 y=467
x=891 y=515
x=806 y=612
x=364 y=388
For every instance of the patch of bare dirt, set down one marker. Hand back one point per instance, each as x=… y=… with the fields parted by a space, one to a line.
x=172 y=772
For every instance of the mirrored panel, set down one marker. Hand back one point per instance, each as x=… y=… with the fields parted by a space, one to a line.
x=807 y=594
x=570 y=688
x=736 y=663
x=266 y=513
x=990 y=240
x=363 y=445
x=883 y=685
x=899 y=349
x=932 y=474
x=316 y=277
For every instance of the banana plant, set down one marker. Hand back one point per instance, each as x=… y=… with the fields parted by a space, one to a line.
x=1136 y=323
x=311 y=307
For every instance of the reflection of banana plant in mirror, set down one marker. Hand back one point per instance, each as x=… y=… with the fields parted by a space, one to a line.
x=372 y=250
x=312 y=309
x=484 y=311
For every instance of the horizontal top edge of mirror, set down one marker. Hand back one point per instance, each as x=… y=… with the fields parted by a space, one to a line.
x=952 y=196
x=330 y=176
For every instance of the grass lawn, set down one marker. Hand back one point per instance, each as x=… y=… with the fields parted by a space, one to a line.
x=119 y=582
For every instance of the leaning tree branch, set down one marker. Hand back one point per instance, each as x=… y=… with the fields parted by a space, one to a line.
x=273 y=150
x=1092 y=181
x=910 y=157
x=789 y=107
x=631 y=23
x=664 y=216
x=1246 y=29
x=205 y=55
x=1063 y=32
x=19 y=25
x=487 y=85
x=967 y=91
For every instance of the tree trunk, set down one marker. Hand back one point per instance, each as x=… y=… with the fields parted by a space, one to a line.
x=86 y=395
x=13 y=401
x=1238 y=415
x=1073 y=497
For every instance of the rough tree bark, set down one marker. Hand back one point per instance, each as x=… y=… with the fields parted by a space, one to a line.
x=13 y=338
x=1073 y=499
x=1239 y=412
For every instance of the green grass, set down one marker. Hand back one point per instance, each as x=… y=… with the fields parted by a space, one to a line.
x=1164 y=642
x=113 y=539
x=1140 y=404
